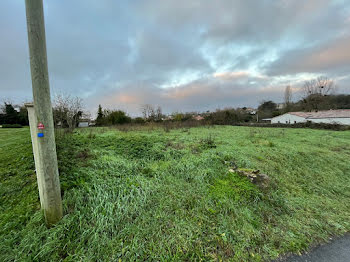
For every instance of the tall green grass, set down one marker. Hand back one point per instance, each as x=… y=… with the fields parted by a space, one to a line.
x=168 y=196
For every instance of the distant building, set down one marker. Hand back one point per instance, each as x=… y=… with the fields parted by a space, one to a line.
x=84 y=122
x=280 y=106
x=250 y=110
x=167 y=118
x=198 y=117
x=58 y=124
x=341 y=116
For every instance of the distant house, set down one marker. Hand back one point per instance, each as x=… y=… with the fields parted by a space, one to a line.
x=341 y=116
x=84 y=122
x=166 y=118
x=280 y=106
x=198 y=117
x=251 y=110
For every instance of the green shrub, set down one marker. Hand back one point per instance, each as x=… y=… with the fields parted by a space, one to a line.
x=139 y=120
x=118 y=117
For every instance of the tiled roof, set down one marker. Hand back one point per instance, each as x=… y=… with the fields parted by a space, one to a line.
x=301 y=114
x=340 y=113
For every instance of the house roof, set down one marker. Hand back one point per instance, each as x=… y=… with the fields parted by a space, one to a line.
x=198 y=117
x=340 y=113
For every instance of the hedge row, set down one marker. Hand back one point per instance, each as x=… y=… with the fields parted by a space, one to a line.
x=11 y=126
x=312 y=125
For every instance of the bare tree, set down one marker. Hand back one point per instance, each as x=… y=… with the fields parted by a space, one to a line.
x=144 y=111
x=60 y=108
x=158 y=114
x=288 y=95
x=67 y=110
x=320 y=86
x=74 y=111
x=148 y=112
x=86 y=115
x=315 y=90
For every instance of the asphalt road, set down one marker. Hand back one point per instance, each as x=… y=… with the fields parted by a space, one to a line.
x=337 y=250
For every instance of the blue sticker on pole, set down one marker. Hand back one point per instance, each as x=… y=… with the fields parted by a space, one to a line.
x=40 y=134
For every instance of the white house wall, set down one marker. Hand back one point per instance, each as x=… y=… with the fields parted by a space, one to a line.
x=287 y=119
x=83 y=124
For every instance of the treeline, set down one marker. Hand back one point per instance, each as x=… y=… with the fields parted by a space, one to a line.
x=317 y=102
x=106 y=117
x=227 y=116
x=313 y=102
x=67 y=111
x=152 y=114
x=13 y=116
x=317 y=94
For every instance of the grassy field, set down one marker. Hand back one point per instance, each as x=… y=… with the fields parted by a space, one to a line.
x=151 y=195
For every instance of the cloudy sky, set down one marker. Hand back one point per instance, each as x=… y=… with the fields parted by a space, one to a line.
x=184 y=55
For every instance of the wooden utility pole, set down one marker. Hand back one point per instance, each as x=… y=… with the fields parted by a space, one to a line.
x=45 y=153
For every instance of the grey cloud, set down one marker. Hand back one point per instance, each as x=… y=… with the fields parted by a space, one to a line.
x=329 y=58
x=241 y=21
x=123 y=52
x=208 y=93
x=14 y=61
x=162 y=54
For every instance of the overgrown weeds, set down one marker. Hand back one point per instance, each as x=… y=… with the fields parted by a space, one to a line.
x=208 y=142
x=153 y=195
